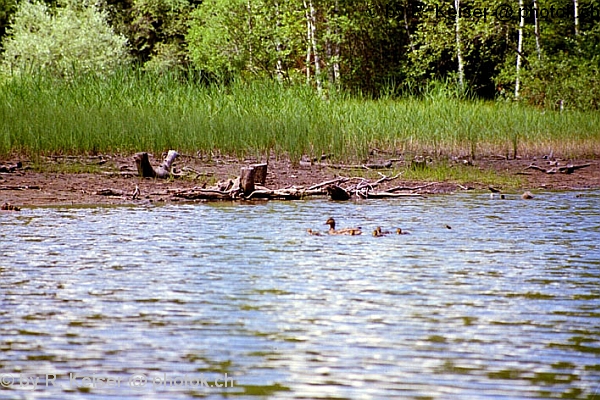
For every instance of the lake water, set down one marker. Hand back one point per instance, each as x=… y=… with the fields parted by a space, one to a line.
x=171 y=301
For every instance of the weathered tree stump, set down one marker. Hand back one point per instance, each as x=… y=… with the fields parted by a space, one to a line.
x=164 y=170
x=145 y=169
x=143 y=165
x=260 y=173
x=247 y=176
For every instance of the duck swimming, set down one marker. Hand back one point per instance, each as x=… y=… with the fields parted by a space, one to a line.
x=399 y=231
x=378 y=232
x=344 y=231
x=314 y=233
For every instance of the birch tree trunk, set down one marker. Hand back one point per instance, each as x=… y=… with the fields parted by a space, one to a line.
x=329 y=54
x=461 y=66
x=250 y=49
x=308 y=41
x=519 y=48
x=336 y=46
x=313 y=25
x=407 y=27
x=576 y=16
x=278 y=47
x=536 y=20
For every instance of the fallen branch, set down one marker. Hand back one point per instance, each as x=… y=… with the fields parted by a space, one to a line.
x=109 y=192
x=203 y=194
x=362 y=166
x=386 y=165
x=280 y=194
x=8 y=187
x=399 y=188
x=284 y=194
x=465 y=187
x=330 y=182
x=11 y=168
x=384 y=178
x=565 y=169
x=383 y=195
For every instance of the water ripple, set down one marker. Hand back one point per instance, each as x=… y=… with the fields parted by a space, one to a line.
x=503 y=305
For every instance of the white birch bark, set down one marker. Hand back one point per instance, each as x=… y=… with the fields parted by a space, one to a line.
x=336 y=46
x=313 y=23
x=308 y=41
x=536 y=20
x=407 y=27
x=576 y=16
x=461 y=66
x=519 y=48
x=278 y=47
x=250 y=49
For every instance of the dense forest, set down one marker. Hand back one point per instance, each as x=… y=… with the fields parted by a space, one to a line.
x=542 y=52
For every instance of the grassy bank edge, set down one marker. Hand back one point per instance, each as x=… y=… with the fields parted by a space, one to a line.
x=131 y=112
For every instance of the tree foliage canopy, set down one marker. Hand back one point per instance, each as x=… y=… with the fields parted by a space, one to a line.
x=371 y=47
x=73 y=38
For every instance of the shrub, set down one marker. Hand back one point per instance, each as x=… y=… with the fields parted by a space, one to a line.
x=563 y=83
x=73 y=38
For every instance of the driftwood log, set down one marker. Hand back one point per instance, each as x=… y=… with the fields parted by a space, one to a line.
x=11 y=168
x=565 y=169
x=109 y=192
x=13 y=187
x=249 y=185
x=145 y=170
x=384 y=195
x=280 y=194
x=164 y=170
x=385 y=165
x=203 y=194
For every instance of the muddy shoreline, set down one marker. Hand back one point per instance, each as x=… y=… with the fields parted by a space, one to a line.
x=73 y=180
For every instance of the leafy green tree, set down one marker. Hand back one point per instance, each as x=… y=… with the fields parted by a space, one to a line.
x=158 y=31
x=7 y=8
x=485 y=43
x=236 y=37
x=73 y=39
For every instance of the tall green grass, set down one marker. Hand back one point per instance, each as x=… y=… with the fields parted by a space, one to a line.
x=132 y=111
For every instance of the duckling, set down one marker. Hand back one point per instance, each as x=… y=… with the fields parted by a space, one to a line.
x=399 y=231
x=345 y=231
x=314 y=233
x=378 y=232
x=527 y=196
x=382 y=233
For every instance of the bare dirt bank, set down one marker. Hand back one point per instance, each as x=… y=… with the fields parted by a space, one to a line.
x=112 y=179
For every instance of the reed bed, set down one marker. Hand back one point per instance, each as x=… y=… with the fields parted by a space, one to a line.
x=132 y=111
